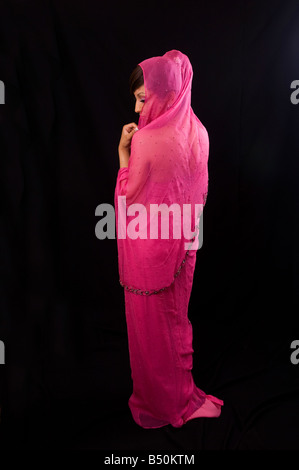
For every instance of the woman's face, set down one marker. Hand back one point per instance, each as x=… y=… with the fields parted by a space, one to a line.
x=139 y=95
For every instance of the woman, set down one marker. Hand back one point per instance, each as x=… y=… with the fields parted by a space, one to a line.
x=163 y=161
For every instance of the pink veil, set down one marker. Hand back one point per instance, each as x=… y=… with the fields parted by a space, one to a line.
x=168 y=165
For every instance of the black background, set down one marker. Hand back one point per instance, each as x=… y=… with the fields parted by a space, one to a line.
x=65 y=65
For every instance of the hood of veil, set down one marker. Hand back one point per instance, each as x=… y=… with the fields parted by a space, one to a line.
x=167 y=83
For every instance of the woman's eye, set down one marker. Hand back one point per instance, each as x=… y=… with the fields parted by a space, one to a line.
x=142 y=101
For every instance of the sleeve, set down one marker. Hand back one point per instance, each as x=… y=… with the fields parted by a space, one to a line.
x=122 y=180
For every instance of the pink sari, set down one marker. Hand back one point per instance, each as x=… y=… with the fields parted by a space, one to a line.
x=168 y=166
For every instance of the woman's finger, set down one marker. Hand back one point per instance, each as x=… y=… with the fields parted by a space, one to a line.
x=130 y=127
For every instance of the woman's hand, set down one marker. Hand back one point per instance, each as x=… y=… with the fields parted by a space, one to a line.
x=124 y=145
x=126 y=136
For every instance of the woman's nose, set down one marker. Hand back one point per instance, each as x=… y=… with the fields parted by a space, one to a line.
x=138 y=107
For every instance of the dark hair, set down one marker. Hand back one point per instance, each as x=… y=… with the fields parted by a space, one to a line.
x=136 y=79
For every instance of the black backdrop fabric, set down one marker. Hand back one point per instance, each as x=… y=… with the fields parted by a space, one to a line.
x=65 y=65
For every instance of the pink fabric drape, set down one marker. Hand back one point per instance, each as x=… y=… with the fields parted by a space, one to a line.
x=168 y=165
